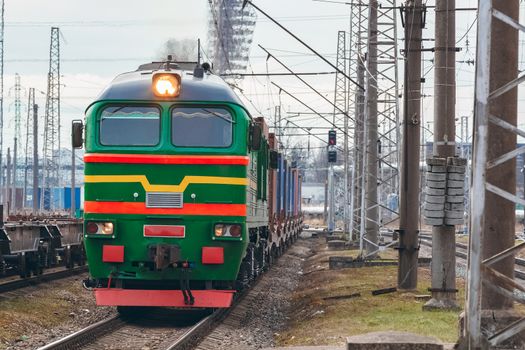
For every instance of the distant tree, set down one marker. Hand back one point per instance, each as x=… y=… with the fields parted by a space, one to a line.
x=180 y=49
x=318 y=165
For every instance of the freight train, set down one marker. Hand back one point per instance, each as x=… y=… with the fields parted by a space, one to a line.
x=187 y=197
x=29 y=247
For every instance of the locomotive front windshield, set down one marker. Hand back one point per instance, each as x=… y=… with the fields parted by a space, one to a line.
x=130 y=126
x=201 y=127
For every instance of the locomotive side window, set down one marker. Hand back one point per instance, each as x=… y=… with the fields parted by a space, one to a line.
x=201 y=127
x=130 y=126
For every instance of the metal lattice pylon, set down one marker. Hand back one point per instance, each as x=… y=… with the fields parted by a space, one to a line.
x=230 y=33
x=481 y=272
x=339 y=204
x=358 y=39
x=385 y=80
x=51 y=146
x=16 y=141
x=388 y=111
x=28 y=149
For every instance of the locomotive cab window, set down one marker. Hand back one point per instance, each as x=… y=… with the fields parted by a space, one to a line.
x=130 y=126
x=201 y=127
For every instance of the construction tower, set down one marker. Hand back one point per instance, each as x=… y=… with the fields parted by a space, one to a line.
x=230 y=33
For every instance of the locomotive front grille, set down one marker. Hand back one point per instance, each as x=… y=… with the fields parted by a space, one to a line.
x=164 y=200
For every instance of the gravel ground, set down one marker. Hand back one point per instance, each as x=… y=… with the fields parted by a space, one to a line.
x=27 y=323
x=263 y=314
x=34 y=316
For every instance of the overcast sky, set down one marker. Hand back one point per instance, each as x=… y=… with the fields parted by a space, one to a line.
x=101 y=39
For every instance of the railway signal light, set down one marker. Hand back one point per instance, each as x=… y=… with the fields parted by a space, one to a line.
x=331 y=137
x=332 y=156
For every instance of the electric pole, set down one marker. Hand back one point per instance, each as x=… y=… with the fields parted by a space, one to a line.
x=36 y=203
x=358 y=144
x=372 y=207
x=8 y=182
x=340 y=104
x=17 y=138
x=29 y=142
x=73 y=185
x=500 y=216
x=492 y=290
x=444 y=236
x=409 y=189
x=51 y=151
x=3 y=187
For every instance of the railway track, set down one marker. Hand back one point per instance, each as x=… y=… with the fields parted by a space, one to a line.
x=13 y=283
x=161 y=329
x=156 y=329
x=426 y=240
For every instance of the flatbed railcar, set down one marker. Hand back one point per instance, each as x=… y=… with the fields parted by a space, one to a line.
x=187 y=198
x=29 y=247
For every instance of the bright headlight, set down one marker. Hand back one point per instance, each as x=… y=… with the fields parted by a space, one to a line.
x=107 y=228
x=228 y=230
x=99 y=228
x=166 y=84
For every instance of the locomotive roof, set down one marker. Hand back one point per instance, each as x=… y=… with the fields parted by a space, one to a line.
x=137 y=85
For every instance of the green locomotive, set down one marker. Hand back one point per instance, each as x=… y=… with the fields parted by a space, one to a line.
x=186 y=197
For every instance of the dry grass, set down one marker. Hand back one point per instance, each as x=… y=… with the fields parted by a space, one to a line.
x=42 y=308
x=317 y=321
x=462 y=239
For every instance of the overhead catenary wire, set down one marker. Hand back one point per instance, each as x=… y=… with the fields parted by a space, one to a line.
x=306 y=83
x=310 y=108
x=304 y=44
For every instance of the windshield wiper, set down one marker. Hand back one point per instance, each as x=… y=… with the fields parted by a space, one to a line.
x=218 y=115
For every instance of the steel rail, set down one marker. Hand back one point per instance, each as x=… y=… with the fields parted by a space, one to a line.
x=45 y=277
x=81 y=337
x=426 y=240
x=188 y=340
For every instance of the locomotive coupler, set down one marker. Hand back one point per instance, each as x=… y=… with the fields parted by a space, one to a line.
x=164 y=255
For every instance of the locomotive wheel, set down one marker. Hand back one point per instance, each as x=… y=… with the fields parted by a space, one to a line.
x=261 y=261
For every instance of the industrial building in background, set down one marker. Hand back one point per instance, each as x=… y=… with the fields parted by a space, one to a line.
x=230 y=33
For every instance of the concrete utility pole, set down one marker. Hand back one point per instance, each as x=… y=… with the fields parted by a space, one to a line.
x=8 y=182
x=491 y=288
x=409 y=191
x=73 y=185
x=36 y=202
x=13 y=182
x=372 y=205
x=2 y=183
x=331 y=198
x=500 y=216
x=358 y=142
x=444 y=236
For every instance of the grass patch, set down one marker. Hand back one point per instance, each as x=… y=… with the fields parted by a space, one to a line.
x=21 y=315
x=316 y=321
